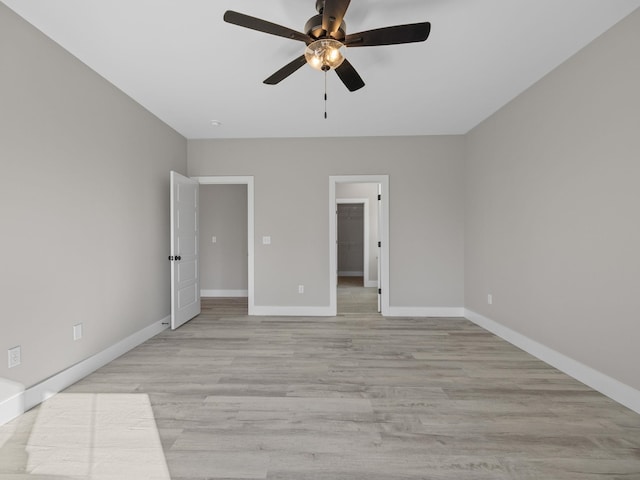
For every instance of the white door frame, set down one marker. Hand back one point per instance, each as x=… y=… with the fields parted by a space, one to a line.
x=248 y=181
x=365 y=211
x=383 y=229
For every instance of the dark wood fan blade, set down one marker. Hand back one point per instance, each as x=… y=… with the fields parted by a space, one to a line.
x=349 y=76
x=285 y=71
x=414 y=32
x=260 y=25
x=333 y=14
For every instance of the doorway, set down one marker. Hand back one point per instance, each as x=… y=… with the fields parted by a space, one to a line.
x=356 y=231
x=359 y=286
x=352 y=238
x=223 y=241
x=248 y=232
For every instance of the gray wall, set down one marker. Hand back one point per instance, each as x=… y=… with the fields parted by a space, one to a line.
x=84 y=203
x=553 y=208
x=292 y=206
x=370 y=192
x=223 y=214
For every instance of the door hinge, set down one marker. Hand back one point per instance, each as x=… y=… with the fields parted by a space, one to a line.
x=171 y=258
x=379 y=291
x=379 y=244
x=379 y=197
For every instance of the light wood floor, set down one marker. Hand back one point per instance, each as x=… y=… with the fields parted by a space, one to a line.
x=345 y=398
x=354 y=297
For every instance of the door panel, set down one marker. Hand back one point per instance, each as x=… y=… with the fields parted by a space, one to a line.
x=185 y=279
x=187 y=296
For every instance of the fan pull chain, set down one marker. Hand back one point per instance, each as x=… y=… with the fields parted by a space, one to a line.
x=325 y=94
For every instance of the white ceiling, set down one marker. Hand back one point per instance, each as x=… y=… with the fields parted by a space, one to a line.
x=183 y=63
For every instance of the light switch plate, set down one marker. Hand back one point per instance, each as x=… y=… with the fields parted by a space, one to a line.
x=77 y=331
x=266 y=240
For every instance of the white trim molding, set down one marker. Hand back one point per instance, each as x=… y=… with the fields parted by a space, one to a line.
x=443 y=312
x=22 y=400
x=11 y=400
x=223 y=293
x=223 y=180
x=612 y=388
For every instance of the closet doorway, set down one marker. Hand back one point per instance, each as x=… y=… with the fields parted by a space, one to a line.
x=358 y=237
x=357 y=290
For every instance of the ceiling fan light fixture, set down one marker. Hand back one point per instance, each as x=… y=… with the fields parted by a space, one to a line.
x=325 y=35
x=324 y=54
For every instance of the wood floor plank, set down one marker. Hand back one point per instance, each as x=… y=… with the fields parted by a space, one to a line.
x=353 y=397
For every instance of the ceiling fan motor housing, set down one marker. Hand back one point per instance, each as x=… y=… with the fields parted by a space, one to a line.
x=313 y=28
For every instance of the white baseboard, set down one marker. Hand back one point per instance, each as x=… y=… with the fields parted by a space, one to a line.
x=291 y=311
x=350 y=274
x=11 y=400
x=425 y=312
x=223 y=293
x=23 y=400
x=612 y=388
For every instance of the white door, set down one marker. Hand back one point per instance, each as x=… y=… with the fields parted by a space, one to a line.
x=185 y=278
x=379 y=248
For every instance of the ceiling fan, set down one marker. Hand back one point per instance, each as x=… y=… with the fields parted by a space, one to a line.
x=325 y=35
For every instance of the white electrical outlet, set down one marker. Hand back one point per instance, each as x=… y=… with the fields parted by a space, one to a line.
x=300 y=288
x=490 y=299
x=15 y=356
x=77 y=331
